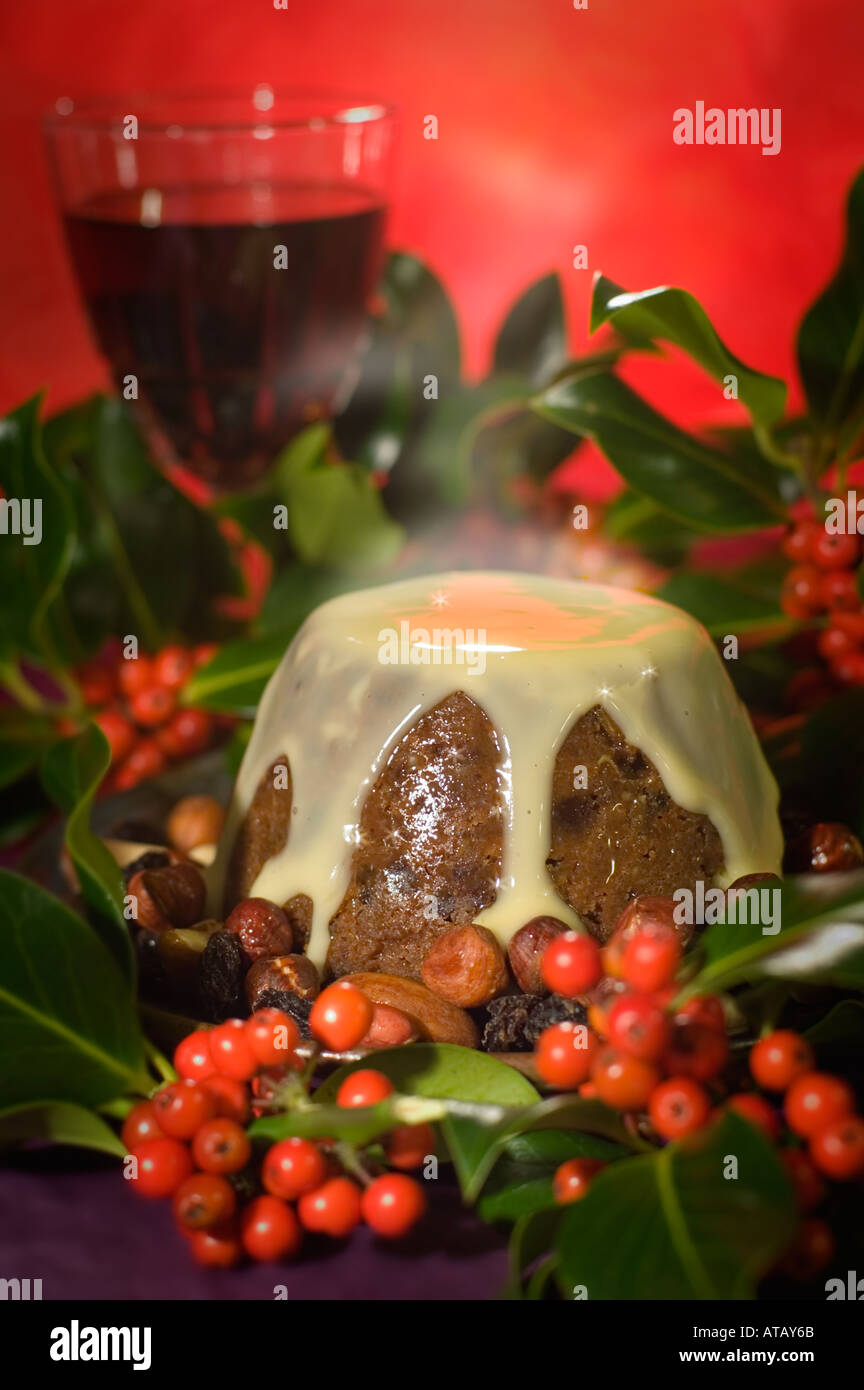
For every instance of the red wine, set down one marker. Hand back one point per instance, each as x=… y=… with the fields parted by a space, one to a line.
x=231 y=354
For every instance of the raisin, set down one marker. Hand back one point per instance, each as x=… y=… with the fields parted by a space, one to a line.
x=299 y=1009
x=222 y=973
x=151 y=859
x=555 y=1009
x=517 y=1020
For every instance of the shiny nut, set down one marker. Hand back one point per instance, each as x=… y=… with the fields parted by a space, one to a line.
x=526 y=951
x=826 y=848
x=194 y=821
x=466 y=966
x=439 y=1020
x=180 y=948
x=389 y=1028
x=169 y=897
x=293 y=973
x=261 y=927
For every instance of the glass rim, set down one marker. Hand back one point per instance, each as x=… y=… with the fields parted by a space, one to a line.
x=328 y=110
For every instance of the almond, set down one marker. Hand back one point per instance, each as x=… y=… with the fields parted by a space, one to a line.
x=389 y=1028
x=466 y=966
x=169 y=897
x=526 y=951
x=440 y=1021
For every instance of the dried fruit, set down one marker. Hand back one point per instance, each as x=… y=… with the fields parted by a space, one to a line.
x=826 y=848
x=440 y=1020
x=194 y=821
x=526 y=949
x=299 y=1009
x=150 y=859
x=517 y=1020
x=294 y=973
x=222 y=972
x=172 y=896
x=466 y=966
x=262 y=928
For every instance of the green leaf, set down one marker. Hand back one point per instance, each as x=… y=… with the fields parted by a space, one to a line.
x=831 y=336
x=839 y=1036
x=23 y=740
x=441 y=1070
x=532 y=341
x=674 y=316
x=443 y=462
x=635 y=520
x=31 y=575
x=821 y=917
x=68 y=1025
x=521 y=1181
x=71 y=773
x=421 y=316
x=723 y=604
x=693 y=482
x=358 y=1126
x=59 y=1122
x=531 y=1239
x=233 y=682
x=294 y=593
x=672 y=1225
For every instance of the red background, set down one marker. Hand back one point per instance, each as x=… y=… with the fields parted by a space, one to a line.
x=555 y=128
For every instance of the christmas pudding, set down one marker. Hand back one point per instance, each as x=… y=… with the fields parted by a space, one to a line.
x=486 y=748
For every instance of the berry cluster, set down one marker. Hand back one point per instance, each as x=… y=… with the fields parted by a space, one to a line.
x=823 y=581
x=190 y=1143
x=669 y=1065
x=135 y=702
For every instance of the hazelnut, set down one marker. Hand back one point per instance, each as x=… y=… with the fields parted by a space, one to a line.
x=295 y=974
x=466 y=966
x=261 y=927
x=194 y=821
x=389 y=1028
x=526 y=951
x=826 y=848
x=172 y=896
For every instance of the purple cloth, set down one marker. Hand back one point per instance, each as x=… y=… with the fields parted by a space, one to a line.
x=86 y=1235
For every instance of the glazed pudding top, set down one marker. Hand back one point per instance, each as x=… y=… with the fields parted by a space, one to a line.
x=535 y=653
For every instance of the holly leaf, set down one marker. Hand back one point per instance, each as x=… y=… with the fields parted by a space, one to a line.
x=71 y=773
x=442 y=1070
x=521 y=1181
x=680 y=1226
x=831 y=337
x=532 y=341
x=68 y=1023
x=234 y=680
x=723 y=604
x=674 y=316
x=59 y=1122
x=693 y=482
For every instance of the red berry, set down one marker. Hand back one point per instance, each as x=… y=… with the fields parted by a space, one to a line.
x=650 y=958
x=231 y=1096
x=696 y=1050
x=97 y=683
x=269 y=1229
x=757 y=1110
x=678 y=1106
x=192 y=1057
x=840 y=592
x=639 y=1026
x=118 y=731
x=204 y=653
x=393 y=1204
x=203 y=1199
x=333 y=1209
x=706 y=1009
x=815 y=1100
x=778 y=1058
x=160 y=1167
x=340 y=1016
x=834 y=643
x=850 y=623
x=152 y=706
x=838 y=1149
x=229 y=1047
x=140 y=1124
x=146 y=760
x=134 y=674
x=798 y=543
x=571 y=964
x=292 y=1167
x=849 y=668
x=624 y=1083
x=365 y=1087
x=834 y=552
x=182 y=1106
x=221 y=1146
x=172 y=667
x=273 y=1037
x=408 y=1146
x=217 y=1247
x=573 y=1179
x=188 y=732
x=648 y=912
x=564 y=1054
x=802 y=593
x=810 y=1190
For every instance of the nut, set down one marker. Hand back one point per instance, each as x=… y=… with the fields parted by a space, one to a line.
x=640 y=914
x=262 y=928
x=298 y=910
x=296 y=974
x=466 y=966
x=389 y=1028
x=826 y=848
x=180 y=948
x=438 y=1020
x=172 y=896
x=194 y=821
x=526 y=951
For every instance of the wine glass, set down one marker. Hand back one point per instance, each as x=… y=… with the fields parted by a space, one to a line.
x=226 y=247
